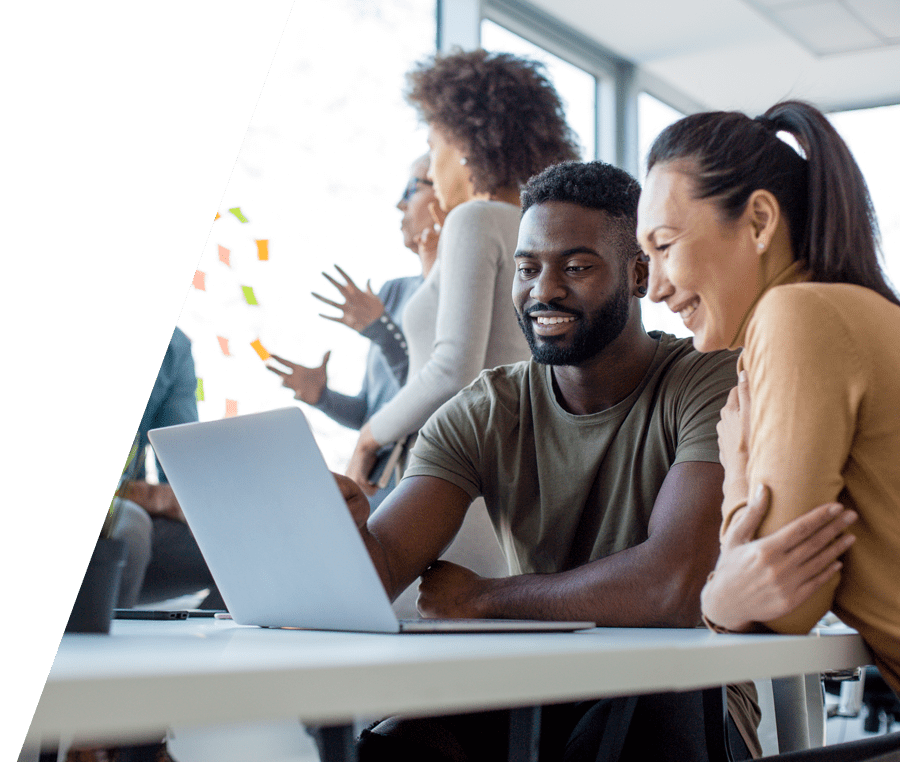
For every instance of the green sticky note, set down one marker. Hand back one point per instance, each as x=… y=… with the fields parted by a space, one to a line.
x=249 y=295
x=199 y=392
x=239 y=214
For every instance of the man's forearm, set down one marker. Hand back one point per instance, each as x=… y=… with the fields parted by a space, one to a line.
x=622 y=590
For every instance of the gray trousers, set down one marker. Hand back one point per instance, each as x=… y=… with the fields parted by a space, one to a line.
x=163 y=559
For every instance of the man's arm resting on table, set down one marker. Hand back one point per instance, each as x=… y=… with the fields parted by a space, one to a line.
x=656 y=583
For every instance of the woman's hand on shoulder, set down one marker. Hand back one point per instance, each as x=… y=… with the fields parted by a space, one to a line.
x=761 y=580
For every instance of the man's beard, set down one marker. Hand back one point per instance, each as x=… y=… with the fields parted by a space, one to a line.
x=592 y=335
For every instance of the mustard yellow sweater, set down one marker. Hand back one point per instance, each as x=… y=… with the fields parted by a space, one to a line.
x=823 y=362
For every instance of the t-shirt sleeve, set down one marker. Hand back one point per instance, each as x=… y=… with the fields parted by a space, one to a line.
x=470 y=250
x=702 y=393
x=806 y=384
x=449 y=445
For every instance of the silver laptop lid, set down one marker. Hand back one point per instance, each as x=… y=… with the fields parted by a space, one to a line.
x=271 y=523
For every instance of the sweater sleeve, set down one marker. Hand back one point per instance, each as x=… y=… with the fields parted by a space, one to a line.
x=806 y=385
x=469 y=261
x=385 y=333
x=346 y=410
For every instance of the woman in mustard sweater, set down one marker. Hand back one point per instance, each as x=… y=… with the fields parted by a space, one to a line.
x=759 y=245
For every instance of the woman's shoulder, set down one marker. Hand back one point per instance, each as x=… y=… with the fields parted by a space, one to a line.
x=484 y=211
x=820 y=305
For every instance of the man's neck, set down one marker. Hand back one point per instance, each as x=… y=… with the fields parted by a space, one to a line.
x=606 y=379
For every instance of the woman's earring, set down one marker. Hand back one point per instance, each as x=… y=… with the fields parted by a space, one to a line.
x=464 y=161
x=642 y=290
x=760 y=246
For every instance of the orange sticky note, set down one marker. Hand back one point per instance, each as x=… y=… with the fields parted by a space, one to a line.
x=217 y=216
x=224 y=344
x=260 y=350
x=224 y=256
x=230 y=408
x=199 y=280
x=263 y=249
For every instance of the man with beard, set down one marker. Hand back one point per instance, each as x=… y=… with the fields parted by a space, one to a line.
x=598 y=462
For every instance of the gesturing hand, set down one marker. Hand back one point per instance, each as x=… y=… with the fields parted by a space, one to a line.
x=360 y=308
x=307 y=383
x=761 y=580
x=450 y=591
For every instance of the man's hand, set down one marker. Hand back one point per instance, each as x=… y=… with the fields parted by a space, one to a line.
x=357 y=502
x=156 y=499
x=450 y=591
x=307 y=383
x=734 y=438
x=363 y=460
x=360 y=308
x=761 y=580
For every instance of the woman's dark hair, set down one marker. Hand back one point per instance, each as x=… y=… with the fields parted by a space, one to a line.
x=823 y=196
x=499 y=109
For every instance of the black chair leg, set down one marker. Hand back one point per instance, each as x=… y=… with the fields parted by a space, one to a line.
x=524 y=734
x=715 y=722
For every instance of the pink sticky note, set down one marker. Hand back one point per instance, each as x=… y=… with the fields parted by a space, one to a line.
x=230 y=408
x=224 y=344
x=199 y=280
x=224 y=256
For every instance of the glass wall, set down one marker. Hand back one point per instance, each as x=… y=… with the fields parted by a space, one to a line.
x=321 y=169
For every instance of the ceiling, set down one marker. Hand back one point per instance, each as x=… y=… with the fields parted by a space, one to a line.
x=748 y=54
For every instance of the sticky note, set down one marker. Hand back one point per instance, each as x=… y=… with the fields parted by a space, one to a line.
x=199 y=280
x=230 y=408
x=249 y=295
x=239 y=214
x=262 y=248
x=224 y=256
x=260 y=350
x=199 y=393
x=217 y=216
x=224 y=344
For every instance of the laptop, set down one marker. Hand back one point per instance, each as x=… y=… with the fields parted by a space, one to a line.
x=276 y=534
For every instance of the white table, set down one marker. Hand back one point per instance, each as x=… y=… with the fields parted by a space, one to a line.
x=147 y=676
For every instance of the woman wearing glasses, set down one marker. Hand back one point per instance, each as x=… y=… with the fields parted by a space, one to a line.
x=494 y=120
x=377 y=317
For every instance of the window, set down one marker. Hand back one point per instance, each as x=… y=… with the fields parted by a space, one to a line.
x=321 y=169
x=871 y=135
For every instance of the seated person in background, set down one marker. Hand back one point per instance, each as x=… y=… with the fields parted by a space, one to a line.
x=163 y=559
x=760 y=247
x=378 y=318
x=597 y=460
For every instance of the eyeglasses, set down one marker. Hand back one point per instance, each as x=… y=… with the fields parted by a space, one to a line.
x=412 y=186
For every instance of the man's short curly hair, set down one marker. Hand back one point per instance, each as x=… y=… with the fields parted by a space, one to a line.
x=499 y=109
x=595 y=185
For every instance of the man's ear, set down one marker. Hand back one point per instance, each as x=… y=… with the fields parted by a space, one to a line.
x=641 y=275
x=764 y=213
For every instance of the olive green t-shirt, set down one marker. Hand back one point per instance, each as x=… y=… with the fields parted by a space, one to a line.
x=564 y=489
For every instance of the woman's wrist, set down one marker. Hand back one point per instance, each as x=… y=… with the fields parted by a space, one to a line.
x=714 y=617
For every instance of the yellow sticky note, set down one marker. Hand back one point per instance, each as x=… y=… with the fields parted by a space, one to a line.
x=199 y=393
x=249 y=295
x=260 y=350
x=224 y=256
x=236 y=211
x=230 y=408
x=262 y=248
x=223 y=343
x=199 y=280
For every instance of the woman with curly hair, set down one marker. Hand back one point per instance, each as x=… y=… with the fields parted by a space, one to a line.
x=494 y=121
